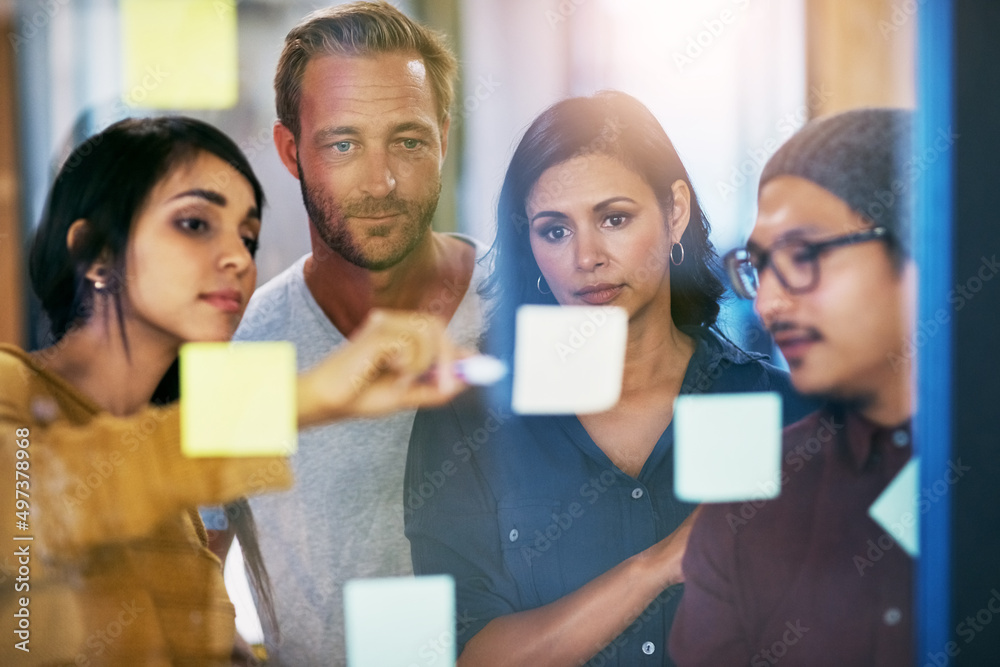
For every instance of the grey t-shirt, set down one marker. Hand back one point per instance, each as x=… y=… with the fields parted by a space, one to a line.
x=343 y=519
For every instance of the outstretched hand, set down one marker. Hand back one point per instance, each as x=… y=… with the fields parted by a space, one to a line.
x=395 y=360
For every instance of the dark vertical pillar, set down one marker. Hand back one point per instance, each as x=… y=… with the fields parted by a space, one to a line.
x=958 y=336
x=975 y=297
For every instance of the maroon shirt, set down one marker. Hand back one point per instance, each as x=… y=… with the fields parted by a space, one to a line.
x=807 y=578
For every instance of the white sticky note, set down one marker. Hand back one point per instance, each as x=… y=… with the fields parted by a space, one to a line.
x=238 y=399
x=896 y=508
x=400 y=621
x=727 y=447
x=179 y=54
x=568 y=359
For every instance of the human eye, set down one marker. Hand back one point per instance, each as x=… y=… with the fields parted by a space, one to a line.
x=411 y=144
x=251 y=244
x=615 y=220
x=553 y=233
x=193 y=225
x=802 y=253
x=340 y=146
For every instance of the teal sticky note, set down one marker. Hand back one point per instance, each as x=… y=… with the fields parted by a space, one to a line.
x=238 y=399
x=727 y=447
x=896 y=508
x=400 y=621
x=568 y=359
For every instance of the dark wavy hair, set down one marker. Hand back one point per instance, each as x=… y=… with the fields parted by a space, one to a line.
x=609 y=123
x=107 y=180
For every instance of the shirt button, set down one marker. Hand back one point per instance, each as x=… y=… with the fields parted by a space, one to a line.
x=637 y=493
x=892 y=616
x=901 y=438
x=648 y=648
x=513 y=535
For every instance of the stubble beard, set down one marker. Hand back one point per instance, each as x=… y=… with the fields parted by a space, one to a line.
x=329 y=218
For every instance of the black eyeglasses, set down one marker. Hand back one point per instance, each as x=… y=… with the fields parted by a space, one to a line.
x=795 y=262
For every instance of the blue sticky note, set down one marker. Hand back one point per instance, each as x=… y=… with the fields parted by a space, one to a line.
x=727 y=447
x=400 y=621
x=896 y=508
x=238 y=399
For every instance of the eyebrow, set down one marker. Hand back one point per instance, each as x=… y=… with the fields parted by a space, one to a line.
x=208 y=195
x=352 y=131
x=794 y=234
x=216 y=198
x=599 y=206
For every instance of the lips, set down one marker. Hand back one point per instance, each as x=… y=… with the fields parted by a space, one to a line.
x=600 y=293
x=226 y=300
x=795 y=343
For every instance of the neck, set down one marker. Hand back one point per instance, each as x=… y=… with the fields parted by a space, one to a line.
x=891 y=404
x=347 y=292
x=93 y=359
x=657 y=351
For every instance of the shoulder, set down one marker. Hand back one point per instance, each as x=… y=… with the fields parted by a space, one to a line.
x=472 y=251
x=25 y=380
x=17 y=372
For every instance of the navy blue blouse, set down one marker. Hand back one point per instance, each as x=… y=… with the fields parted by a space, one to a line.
x=524 y=510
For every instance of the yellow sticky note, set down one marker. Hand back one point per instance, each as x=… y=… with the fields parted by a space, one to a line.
x=238 y=399
x=179 y=54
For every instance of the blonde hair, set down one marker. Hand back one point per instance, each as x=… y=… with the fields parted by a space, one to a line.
x=360 y=29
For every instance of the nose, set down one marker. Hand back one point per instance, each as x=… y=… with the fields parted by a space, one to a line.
x=590 y=251
x=772 y=298
x=234 y=254
x=378 y=178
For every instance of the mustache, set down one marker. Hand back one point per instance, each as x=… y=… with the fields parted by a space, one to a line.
x=375 y=207
x=781 y=326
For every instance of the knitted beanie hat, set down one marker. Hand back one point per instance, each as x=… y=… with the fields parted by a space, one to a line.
x=860 y=156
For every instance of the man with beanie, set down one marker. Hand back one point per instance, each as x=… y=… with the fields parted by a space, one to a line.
x=809 y=578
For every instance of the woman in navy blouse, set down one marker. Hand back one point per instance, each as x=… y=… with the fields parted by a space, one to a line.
x=563 y=533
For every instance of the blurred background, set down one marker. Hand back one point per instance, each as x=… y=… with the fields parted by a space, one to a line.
x=730 y=80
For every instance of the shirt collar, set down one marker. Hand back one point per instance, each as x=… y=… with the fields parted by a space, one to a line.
x=864 y=436
x=713 y=348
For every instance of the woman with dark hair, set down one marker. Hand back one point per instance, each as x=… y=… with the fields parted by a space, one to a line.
x=563 y=533
x=147 y=243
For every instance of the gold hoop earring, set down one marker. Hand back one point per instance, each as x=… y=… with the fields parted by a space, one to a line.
x=672 y=260
x=538 y=284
